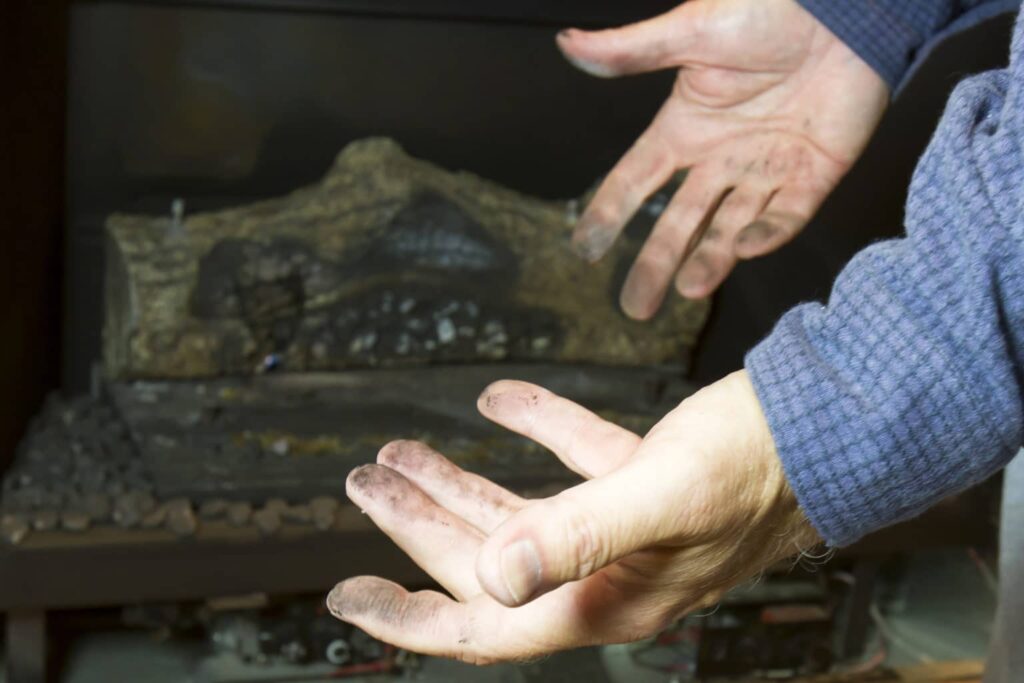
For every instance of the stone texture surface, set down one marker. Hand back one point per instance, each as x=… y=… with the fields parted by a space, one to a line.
x=181 y=519
x=45 y=520
x=155 y=518
x=324 y=510
x=14 y=528
x=267 y=520
x=213 y=509
x=239 y=513
x=387 y=261
x=74 y=520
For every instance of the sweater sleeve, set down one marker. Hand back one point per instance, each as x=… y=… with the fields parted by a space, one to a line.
x=890 y=35
x=906 y=387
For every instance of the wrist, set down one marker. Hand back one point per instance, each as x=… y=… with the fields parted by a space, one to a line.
x=871 y=32
x=778 y=511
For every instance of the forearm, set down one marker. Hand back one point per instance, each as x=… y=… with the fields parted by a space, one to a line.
x=889 y=34
x=905 y=388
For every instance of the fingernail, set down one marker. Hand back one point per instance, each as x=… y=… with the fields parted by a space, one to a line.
x=692 y=287
x=488 y=400
x=569 y=33
x=520 y=570
x=696 y=277
x=594 y=243
x=592 y=68
x=586 y=251
x=334 y=601
x=636 y=303
x=757 y=232
x=641 y=294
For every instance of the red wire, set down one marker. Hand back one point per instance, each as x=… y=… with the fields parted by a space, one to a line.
x=382 y=665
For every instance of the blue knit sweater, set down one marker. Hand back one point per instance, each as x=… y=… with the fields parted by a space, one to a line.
x=895 y=36
x=907 y=386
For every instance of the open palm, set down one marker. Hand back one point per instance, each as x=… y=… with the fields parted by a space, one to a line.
x=768 y=112
x=663 y=525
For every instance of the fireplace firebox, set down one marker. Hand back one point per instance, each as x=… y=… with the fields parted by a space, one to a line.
x=296 y=230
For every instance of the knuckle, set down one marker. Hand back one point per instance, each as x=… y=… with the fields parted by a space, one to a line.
x=574 y=436
x=581 y=536
x=680 y=212
x=732 y=217
x=713 y=235
x=686 y=222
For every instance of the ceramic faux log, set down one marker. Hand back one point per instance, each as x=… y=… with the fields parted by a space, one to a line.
x=387 y=261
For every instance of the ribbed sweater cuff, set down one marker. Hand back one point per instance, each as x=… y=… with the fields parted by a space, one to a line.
x=885 y=42
x=802 y=409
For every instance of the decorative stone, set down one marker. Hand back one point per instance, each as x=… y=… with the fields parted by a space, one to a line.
x=239 y=513
x=155 y=518
x=323 y=510
x=74 y=520
x=181 y=520
x=131 y=507
x=45 y=520
x=297 y=513
x=213 y=509
x=445 y=331
x=13 y=528
x=279 y=505
x=97 y=506
x=267 y=520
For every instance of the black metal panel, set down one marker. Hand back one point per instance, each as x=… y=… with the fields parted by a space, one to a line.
x=222 y=564
x=540 y=12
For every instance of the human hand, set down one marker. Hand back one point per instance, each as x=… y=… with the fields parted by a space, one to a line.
x=768 y=112
x=664 y=525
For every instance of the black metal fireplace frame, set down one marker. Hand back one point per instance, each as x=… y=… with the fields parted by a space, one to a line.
x=557 y=13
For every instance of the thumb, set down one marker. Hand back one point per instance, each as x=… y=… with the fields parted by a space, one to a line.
x=658 y=43
x=569 y=536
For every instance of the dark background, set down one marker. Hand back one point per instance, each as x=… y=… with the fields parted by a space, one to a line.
x=136 y=103
x=33 y=63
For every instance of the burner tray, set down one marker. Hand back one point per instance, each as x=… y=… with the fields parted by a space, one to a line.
x=267 y=450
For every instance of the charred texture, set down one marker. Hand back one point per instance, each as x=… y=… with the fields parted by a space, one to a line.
x=387 y=261
x=262 y=284
x=433 y=235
